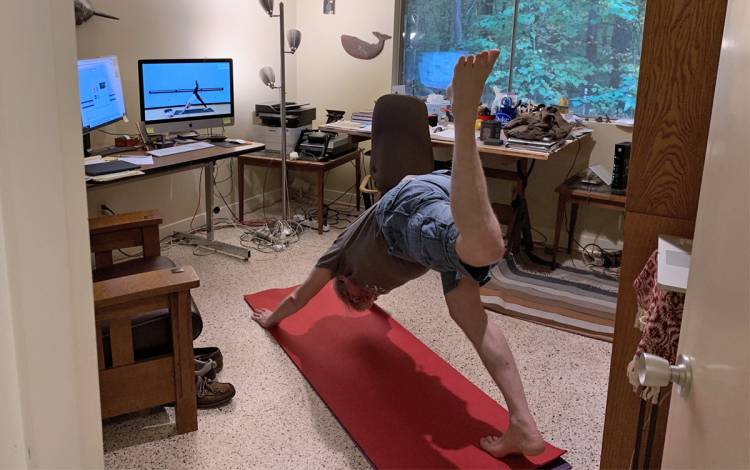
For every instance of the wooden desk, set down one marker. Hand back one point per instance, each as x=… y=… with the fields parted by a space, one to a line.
x=515 y=215
x=269 y=159
x=202 y=158
x=576 y=192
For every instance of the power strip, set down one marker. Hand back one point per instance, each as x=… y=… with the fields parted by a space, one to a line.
x=313 y=224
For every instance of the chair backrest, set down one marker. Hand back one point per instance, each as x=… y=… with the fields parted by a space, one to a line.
x=400 y=140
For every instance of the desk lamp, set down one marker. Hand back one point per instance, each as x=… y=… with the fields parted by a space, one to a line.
x=268 y=77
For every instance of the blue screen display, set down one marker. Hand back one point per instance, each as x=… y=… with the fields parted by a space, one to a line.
x=100 y=92
x=186 y=90
x=436 y=68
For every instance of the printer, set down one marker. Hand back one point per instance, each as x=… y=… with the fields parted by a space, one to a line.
x=323 y=145
x=299 y=117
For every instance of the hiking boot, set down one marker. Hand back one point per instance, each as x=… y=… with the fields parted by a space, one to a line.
x=205 y=368
x=212 y=353
x=212 y=394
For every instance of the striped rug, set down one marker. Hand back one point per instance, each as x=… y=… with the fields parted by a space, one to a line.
x=570 y=299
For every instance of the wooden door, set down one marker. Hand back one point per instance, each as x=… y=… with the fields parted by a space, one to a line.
x=710 y=427
x=679 y=59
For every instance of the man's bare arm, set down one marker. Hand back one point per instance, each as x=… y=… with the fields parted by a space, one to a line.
x=317 y=279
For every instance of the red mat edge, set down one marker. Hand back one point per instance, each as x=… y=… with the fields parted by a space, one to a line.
x=556 y=464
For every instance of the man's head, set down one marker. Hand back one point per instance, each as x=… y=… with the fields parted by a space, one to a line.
x=354 y=296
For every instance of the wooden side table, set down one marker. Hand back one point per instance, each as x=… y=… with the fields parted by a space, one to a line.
x=575 y=192
x=274 y=160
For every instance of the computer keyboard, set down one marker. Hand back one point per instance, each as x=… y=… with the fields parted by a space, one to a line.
x=179 y=149
x=105 y=151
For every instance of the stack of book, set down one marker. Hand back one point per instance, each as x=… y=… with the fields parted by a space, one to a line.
x=534 y=145
x=363 y=117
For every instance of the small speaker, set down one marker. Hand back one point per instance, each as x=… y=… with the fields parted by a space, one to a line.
x=620 y=167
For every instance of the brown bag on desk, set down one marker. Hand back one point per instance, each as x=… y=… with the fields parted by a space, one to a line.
x=539 y=125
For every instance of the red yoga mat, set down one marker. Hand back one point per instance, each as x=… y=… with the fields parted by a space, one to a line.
x=402 y=404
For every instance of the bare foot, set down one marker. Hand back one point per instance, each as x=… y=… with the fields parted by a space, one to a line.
x=519 y=439
x=469 y=76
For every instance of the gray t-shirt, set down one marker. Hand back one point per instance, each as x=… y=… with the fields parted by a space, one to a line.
x=361 y=254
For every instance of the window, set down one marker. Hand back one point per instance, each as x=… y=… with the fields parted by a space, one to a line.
x=587 y=51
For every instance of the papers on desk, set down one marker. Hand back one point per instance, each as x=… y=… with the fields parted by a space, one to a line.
x=444 y=134
x=93 y=160
x=350 y=125
x=139 y=160
x=116 y=176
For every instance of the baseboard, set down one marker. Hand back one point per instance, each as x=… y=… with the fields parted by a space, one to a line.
x=251 y=204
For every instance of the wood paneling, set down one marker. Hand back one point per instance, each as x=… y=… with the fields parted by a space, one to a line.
x=681 y=47
x=118 y=222
x=641 y=232
x=122 y=389
x=122 y=290
x=680 y=56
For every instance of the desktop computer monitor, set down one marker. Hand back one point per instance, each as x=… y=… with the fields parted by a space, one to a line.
x=180 y=95
x=100 y=92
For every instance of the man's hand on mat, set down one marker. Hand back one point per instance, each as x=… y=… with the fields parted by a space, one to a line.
x=263 y=317
x=467 y=87
x=518 y=439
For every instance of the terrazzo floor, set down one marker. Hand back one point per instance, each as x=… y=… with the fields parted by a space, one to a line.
x=277 y=421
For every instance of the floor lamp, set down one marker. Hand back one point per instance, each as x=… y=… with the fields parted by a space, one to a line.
x=267 y=75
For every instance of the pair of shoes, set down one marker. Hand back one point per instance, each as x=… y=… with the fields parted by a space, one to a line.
x=210 y=393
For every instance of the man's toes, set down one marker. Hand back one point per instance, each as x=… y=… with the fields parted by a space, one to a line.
x=470 y=60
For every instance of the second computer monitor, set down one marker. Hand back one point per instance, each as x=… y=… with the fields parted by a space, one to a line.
x=179 y=95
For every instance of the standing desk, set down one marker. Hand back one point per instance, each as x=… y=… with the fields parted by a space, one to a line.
x=517 y=214
x=202 y=158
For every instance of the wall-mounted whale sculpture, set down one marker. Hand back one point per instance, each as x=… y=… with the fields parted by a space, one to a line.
x=360 y=49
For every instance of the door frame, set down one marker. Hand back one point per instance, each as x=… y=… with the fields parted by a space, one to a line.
x=681 y=47
x=45 y=273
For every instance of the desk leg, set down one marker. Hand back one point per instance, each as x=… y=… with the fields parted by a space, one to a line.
x=558 y=227
x=358 y=177
x=208 y=242
x=572 y=228
x=241 y=189
x=209 y=180
x=321 y=196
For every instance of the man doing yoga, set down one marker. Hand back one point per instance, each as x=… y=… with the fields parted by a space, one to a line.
x=441 y=221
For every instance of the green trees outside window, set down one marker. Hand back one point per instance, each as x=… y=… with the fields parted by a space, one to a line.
x=586 y=51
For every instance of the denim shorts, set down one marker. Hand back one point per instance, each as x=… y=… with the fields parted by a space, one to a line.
x=417 y=224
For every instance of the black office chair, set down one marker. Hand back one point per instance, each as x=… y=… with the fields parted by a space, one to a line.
x=400 y=144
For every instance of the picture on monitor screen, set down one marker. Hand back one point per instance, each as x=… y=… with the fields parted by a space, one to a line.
x=182 y=89
x=100 y=91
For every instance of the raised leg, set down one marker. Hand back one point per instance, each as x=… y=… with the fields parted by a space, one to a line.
x=480 y=240
x=465 y=307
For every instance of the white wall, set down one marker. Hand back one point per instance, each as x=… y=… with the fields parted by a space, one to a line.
x=329 y=78
x=165 y=29
x=46 y=311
